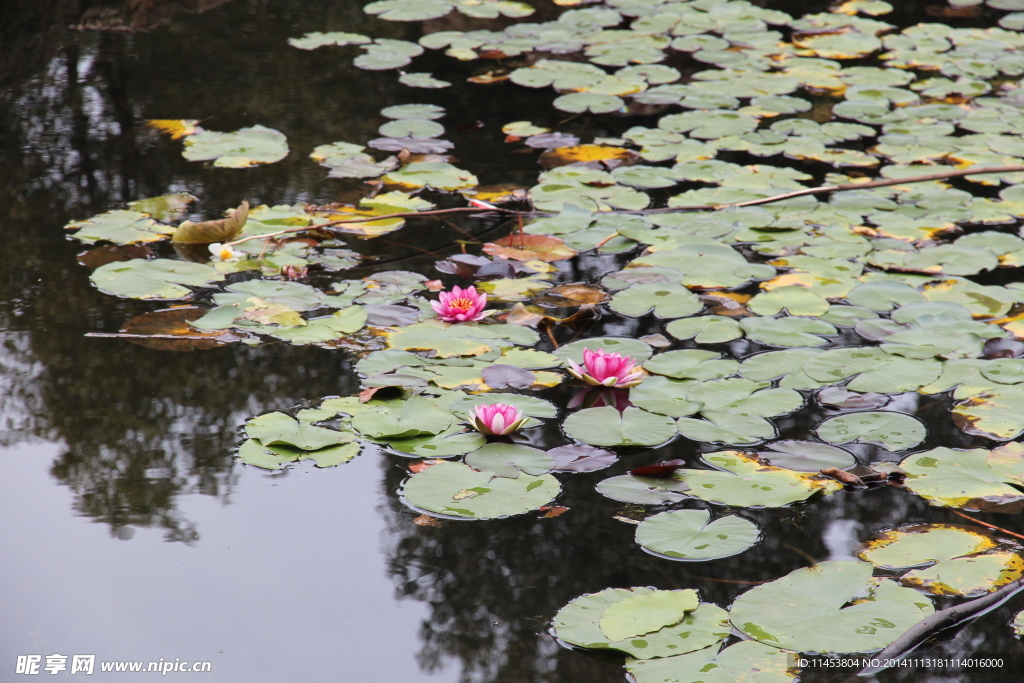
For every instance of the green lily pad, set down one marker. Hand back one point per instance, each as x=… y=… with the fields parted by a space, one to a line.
x=666 y=301
x=422 y=80
x=409 y=10
x=691 y=535
x=807 y=456
x=456 y=490
x=579 y=621
x=923 y=544
x=294 y=295
x=994 y=413
x=629 y=488
x=691 y=364
x=595 y=103
x=894 y=431
x=509 y=460
x=748 y=661
x=607 y=427
x=664 y=396
x=706 y=329
x=451 y=442
x=745 y=482
x=973 y=479
x=967 y=576
x=279 y=429
x=805 y=610
x=156 y=279
x=120 y=227
x=402 y=419
x=624 y=346
x=787 y=331
x=646 y=613
x=439 y=175
x=726 y=426
x=243 y=148
x=252 y=452
x=794 y=300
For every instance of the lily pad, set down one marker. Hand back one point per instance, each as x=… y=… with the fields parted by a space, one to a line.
x=252 y=452
x=120 y=227
x=666 y=301
x=509 y=460
x=967 y=576
x=607 y=427
x=646 y=613
x=157 y=279
x=894 y=431
x=706 y=329
x=921 y=544
x=279 y=429
x=807 y=456
x=743 y=481
x=245 y=147
x=807 y=611
x=691 y=364
x=748 y=661
x=578 y=623
x=402 y=419
x=630 y=488
x=966 y=478
x=691 y=535
x=458 y=491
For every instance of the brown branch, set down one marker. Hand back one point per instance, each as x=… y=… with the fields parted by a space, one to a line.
x=990 y=526
x=824 y=189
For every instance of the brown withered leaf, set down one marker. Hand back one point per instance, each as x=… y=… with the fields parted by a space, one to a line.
x=591 y=156
x=521 y=315
x=210 y=232
x=659 y=469
x=100 y=256
x=520 y=247
x=578 y=293
x=426 y=520
x=496 y=194
x=489 y=77
x=421 y=465
x=553 y=511
x=169 y=330
x=843 y=477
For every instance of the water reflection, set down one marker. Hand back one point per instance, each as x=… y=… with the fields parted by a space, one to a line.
x=141 y=429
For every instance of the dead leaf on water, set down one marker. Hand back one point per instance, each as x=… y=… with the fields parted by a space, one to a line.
x=210 y=232
x=591 y=156
x=529 y=248
x=176 y=128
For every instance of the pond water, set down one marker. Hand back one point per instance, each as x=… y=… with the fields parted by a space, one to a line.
x=133 y=531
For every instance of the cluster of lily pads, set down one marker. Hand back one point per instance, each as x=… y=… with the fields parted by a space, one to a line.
x=840 y=301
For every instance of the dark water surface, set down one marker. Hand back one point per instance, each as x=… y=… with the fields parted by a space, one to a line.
x=129 y=530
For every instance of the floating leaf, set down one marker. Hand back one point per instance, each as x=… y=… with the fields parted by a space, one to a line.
x=967 y=576
x=745 y=482
x=176 y=128
x=578 y=623
x=973 y=479
x=422 y=80
x=243 y=148
x=787 y=331
x=624 y=346
x=402 y=419
x=691 y=364
x=279 y=429
x=581 y=458
x=629 y=488
x=508 y=460
x=646 y=613
x=706 y=329
x=666 y=301
x=209 y=232
x=807 y=456
x=923 y=544
x=747 y=661
x=456 y=490
x=530 y=248
x=994 y=413
x=439 y=175
x=804 y=610
x=119 y=227
x=607 y=427
x=691 y=535
x=894 y=431
x=252 y=452
x=156 y=279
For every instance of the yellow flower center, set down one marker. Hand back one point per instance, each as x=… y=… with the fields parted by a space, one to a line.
x=460 y=304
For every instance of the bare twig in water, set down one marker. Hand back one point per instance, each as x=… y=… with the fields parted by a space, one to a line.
x=990 y=526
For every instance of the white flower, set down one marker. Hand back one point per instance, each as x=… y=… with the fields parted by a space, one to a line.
x=223 y=252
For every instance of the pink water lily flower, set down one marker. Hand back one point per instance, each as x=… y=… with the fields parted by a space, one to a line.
x=460 y=305
x=497 y=419
x=604 y=369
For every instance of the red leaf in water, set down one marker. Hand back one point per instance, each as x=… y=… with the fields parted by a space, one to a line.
x=421 y=465
x=661 y=469
x=553 y=511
